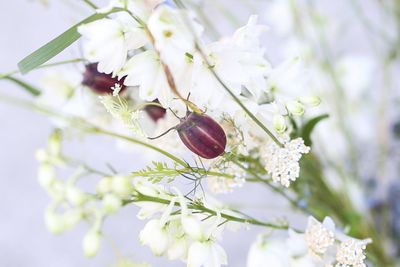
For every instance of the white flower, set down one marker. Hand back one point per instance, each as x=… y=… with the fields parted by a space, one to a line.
x=279 y=123
x=55 y=222
x=119 y=108
x=111 y=203
x=104 y=185
x=316 y=240
x=262 y=252
x=140 y=8
x=155 y=235
x=350 y=253
x=295 y=107
x=206 y=253
x=319 y=236
x=173 y=37
x=121 y=185
x=238 y=61
x=91 y=243
x=75 y=196
x=46 y=175
x=109 y=40
x=148 y=208
x=282 y=163
x=291 y=77
x=220 y=184
x=146 y=71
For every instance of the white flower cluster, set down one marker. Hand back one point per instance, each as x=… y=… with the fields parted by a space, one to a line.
x=176 y=233
x=220 y=184
x=190 y=237
x=320 y=245
x=351 y=254
x=119 y=108
x=167 y=37
x=282 y=163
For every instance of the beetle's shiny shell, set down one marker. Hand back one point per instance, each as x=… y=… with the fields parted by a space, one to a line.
x=202 y=135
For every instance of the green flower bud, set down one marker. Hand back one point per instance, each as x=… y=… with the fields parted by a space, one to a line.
x=41 y=155
x=121 y=185
x=295 y=107
x=54 y=145
x=55 y=222
x=91 y=243
x=104 y=186
x=46 y=175
x=75 y=196
x=72 y=217
x=111 y=203
x=311 y=101
x=279 y=123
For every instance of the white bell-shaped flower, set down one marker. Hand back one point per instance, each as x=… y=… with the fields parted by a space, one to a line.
x=206 y=253
x=273 y=253
x=155 y=235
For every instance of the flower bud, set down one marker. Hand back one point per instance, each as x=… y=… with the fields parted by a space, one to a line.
x=311 y=101
x=104 y=186
x=75 y=196
x=72 y=217
x=111 y=203
x=54 y=145
x=192 y=227
x=55 y=222
x=46 y=175
x=41 y=155
x=155 y=235
x=279 y=123
x=121 y=185
x=202 y=135
x=91 y=243
x=100 y=83
x=295 y=107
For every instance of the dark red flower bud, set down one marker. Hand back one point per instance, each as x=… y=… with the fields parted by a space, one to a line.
x=155 y=112
x=202 y=135
x=100 y=83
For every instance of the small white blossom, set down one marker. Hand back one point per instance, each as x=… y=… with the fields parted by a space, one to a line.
x=220 y=184
x=91 y=243
x=350 y=253
x=295 y=107
x=75 y=196
x=121 y=185
x=107 y=41
x=206 y=253
x=118 y=107
x=318 y=237
x=111 y=203
x=282 y=163
x=262 y=251
x=155 y=235
x=279 y=123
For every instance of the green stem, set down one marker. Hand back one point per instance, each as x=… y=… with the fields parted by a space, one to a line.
x=91 y=4
x=199 y=207
x=8 y=74
x=137 y=141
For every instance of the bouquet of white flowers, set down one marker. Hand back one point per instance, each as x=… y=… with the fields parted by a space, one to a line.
x=210 y=114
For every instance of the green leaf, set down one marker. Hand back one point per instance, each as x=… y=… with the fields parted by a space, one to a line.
x=31 y=89
x=309 y=127
x=57 y=45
